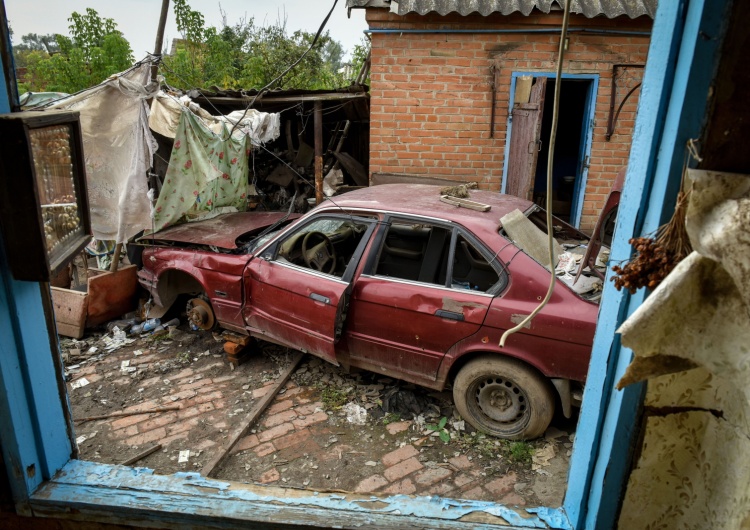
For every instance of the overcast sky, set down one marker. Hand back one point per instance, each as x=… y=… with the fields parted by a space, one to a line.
x=138 y=19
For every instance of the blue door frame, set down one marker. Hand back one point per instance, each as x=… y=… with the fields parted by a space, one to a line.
x=33 y=428
x=587 y=136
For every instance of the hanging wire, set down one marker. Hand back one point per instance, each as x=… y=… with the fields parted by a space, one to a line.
x=550 y=159
x=295 y=63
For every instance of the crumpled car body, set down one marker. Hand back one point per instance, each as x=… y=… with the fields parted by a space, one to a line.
x=393 y=280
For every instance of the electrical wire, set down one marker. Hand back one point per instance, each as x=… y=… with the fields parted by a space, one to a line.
x=550 y=160
x=295 y=63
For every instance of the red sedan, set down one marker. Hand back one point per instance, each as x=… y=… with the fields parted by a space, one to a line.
x=393 y=280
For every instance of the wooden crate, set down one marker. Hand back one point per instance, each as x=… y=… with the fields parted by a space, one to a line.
x=108 y=295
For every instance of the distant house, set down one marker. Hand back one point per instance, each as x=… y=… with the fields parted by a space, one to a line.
x=463 y=91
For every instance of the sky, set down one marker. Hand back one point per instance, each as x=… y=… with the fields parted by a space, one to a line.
x=138 y=19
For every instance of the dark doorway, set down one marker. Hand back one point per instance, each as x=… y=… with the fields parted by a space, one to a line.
x=569 y=153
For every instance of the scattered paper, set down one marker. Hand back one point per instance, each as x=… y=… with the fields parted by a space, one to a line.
x=78 y=383
x=355 y=414
x=184 y=456
x=137 y=353
x=124 y=364
x=541 y=458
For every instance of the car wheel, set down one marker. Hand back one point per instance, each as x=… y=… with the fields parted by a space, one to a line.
x=503 y=397
x=200 y=315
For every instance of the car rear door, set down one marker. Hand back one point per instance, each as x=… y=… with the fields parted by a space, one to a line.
x=297 y=306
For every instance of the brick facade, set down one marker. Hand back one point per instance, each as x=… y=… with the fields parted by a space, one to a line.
x=431 y=93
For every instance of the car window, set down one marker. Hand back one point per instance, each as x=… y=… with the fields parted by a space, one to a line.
x=324 y=245
x=422 y=252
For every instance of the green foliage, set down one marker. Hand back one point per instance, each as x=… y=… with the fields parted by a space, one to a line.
x=440 y=428
x=244 y=55
x=333 y=398
x=494 y=449
x=94 y=51
x=359 y=56
x=391 y=417
x=520 y=452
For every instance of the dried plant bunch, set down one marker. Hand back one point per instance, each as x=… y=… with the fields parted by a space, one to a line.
x=656 y=256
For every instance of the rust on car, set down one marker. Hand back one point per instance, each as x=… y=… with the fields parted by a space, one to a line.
x=390 y=279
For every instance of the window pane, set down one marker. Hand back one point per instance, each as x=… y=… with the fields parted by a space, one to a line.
x=470 y=268
x=415 y=252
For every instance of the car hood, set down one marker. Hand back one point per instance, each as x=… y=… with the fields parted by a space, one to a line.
x=221 y=231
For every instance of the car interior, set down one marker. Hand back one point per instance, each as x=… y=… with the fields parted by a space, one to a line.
x=421 y=253
x=325 y=245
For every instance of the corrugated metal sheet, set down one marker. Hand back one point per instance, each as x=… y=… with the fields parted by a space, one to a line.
x=589 y=8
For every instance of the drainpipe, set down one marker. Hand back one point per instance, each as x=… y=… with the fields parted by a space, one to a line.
x=547 y=31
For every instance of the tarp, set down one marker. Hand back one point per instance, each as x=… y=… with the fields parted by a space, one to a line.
x=206 y=171
x=118 y=148
x=262 y=127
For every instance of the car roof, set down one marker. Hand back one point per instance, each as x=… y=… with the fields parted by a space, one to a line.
x=424 y=200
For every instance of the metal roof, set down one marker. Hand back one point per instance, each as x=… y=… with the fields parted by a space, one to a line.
x=589 y=8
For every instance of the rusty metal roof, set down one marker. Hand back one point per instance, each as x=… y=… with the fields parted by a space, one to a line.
x=588 y=8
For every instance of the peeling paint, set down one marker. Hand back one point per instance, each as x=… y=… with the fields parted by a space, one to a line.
x=517 y=319
x=222 y=494
x=451 y=304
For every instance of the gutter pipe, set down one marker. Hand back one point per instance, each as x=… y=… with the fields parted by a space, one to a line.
x=551 y=31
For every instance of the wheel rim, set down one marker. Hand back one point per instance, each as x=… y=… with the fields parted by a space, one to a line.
x=500 y=403
x=199 y=314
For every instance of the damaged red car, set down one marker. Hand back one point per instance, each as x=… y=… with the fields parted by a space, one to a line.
x=393 y=280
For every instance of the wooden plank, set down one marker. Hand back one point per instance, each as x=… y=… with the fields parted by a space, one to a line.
x=70 y=311
x=465 y=203
x=141 y=455
x=251 y=417
x=111 y=294
x=352 y=166
x=129 y=413
x=523 y=89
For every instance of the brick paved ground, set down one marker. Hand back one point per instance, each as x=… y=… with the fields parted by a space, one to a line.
x=297 y=442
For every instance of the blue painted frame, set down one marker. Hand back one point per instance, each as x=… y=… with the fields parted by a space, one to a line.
x=587 y=135
x=34 y=430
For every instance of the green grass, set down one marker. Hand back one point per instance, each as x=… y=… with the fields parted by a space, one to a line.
x=391 y=417
x=333 y=398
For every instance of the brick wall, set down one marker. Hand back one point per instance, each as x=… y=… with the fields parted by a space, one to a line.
x=431 y=95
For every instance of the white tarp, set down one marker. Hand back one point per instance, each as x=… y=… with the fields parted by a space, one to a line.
x=118 y=148
x=261 y=127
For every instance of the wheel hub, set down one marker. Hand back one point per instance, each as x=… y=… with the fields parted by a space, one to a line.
x=501 y=400
x=199 y=314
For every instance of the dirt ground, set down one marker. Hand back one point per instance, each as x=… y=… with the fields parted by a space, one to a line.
x=325 y=430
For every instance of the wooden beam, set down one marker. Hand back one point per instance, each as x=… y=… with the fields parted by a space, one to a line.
x=318 y=152
x=251 y=417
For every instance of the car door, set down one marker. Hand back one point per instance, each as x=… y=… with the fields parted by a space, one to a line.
x=289 y=301
x=425 y=288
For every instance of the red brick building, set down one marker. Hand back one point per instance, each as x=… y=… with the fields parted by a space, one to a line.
x=463 y=91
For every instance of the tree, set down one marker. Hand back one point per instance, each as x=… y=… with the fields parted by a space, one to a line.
x=244 y=55
x=94 y=50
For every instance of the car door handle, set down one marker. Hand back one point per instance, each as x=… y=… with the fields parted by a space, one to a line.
x=320 y=298
x=451 y=315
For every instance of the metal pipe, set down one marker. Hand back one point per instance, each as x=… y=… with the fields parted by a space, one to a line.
x=551 y=31
x=159 y=42
x=318 y=125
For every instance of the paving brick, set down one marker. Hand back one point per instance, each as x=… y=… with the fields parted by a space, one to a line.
x=475 y=493
x=182 y=426
x=155 y=435
x=371 y=483
x=280 y=406
x=272 y=475
x=405 y=487
x=210 y=367
x=463 y=479
x=311 y=408
x=275 y=432
x=399 y=454
x=302 y=450
x=430 y=476
x=279 y=418
x=187 y=372
x=159 y=421
x=290 y=393
x=151 y=381
x=248 y=442
x=204 y=444
x=461 y=462
x=169 y=439
x=194 y=385
x=318 y=417
x=301 y=400
x=397 y=427
x=132 y=430
x=513 y=499
x=127 y=421
x=441 y=489
x=402 y=469
x=502 y=485
x=121 y=381
x=220 y=404
x=233 y=348
x=264 y=449
x=295 y=438
x=202 y=398
x=260 y=392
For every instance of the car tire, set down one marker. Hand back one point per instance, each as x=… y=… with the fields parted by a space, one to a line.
x=504 y=397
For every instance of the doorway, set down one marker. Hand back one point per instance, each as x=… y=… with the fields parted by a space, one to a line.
x=530 y=123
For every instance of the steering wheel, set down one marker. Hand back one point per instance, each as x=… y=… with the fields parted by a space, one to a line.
x=318 y=252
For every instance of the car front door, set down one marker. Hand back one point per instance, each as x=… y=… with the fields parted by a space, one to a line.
x=297 y=291
x=425 y=288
